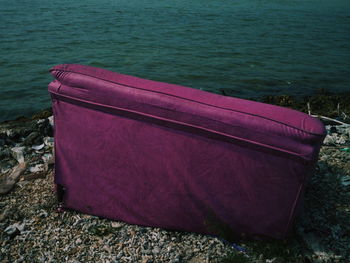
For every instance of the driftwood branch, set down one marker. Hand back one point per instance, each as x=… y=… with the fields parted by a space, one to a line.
x=329 y=119
x=10 y=179
x=308 y=108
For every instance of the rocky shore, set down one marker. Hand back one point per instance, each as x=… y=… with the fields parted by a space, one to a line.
x=34 y=229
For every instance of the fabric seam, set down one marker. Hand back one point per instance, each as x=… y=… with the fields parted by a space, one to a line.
x=293 y=208
x=207 y=104
x=186 y=124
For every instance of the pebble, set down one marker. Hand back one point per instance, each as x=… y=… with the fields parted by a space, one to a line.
x=51 y=120
x=17 y=153
x=43 y=214
x=49 y=141
x=156 y=250
x=48 y=159
x=337 y=135
x=38 y=147
x=15 y=228
x=37 y=168
x=116 y=225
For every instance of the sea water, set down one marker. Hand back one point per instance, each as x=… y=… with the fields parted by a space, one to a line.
x=245 y=48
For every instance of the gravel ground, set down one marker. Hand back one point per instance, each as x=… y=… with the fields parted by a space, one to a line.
x=45 y=234
x=34 y=229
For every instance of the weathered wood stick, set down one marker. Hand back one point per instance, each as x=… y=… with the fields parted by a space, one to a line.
x=329 y=119
x=9 y=180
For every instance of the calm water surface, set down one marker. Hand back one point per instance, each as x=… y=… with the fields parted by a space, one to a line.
x=248 y=48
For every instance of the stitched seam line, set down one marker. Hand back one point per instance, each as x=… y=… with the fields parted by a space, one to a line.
x=207 y=104
x=182 y=112
x=292 y=211
x=186 y=124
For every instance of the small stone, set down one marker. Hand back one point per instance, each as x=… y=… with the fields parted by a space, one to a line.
x=15 y=229
x=49 y=141
x=21 y=259
x=43 y=214
x=37 y=168
x=156 y=250
x=48 y=158
x=116 y=225
x=10 y=230
x=197 y=259
x=50 y=120
x=120 y=255
x=17 y=153
x=40 y=121
x=38 y=147
x=176 y=260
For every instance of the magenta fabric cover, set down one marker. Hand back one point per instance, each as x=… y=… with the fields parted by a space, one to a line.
x=164 y=155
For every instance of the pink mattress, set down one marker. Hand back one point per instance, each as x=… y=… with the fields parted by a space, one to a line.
x=163 y=155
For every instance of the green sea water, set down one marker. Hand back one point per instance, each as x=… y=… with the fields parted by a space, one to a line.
x=247 y=48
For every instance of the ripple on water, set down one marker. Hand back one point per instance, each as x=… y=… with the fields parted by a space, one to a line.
x=250 y=47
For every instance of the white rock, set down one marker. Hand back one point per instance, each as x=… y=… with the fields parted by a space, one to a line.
x=5 y=170
x=17 y=153
x=11 y=229
x=40 y=121
x=37 y=168
x=43 y=213
x=51 y=120
x=8 y=133
x=49 y=141
x=156 y=250
x=38 y=147
x=48 y=158
x=116 y=225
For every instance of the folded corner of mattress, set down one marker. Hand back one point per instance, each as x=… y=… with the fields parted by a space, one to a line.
x=313 y=125
x=58 y=68
x=54 y=86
